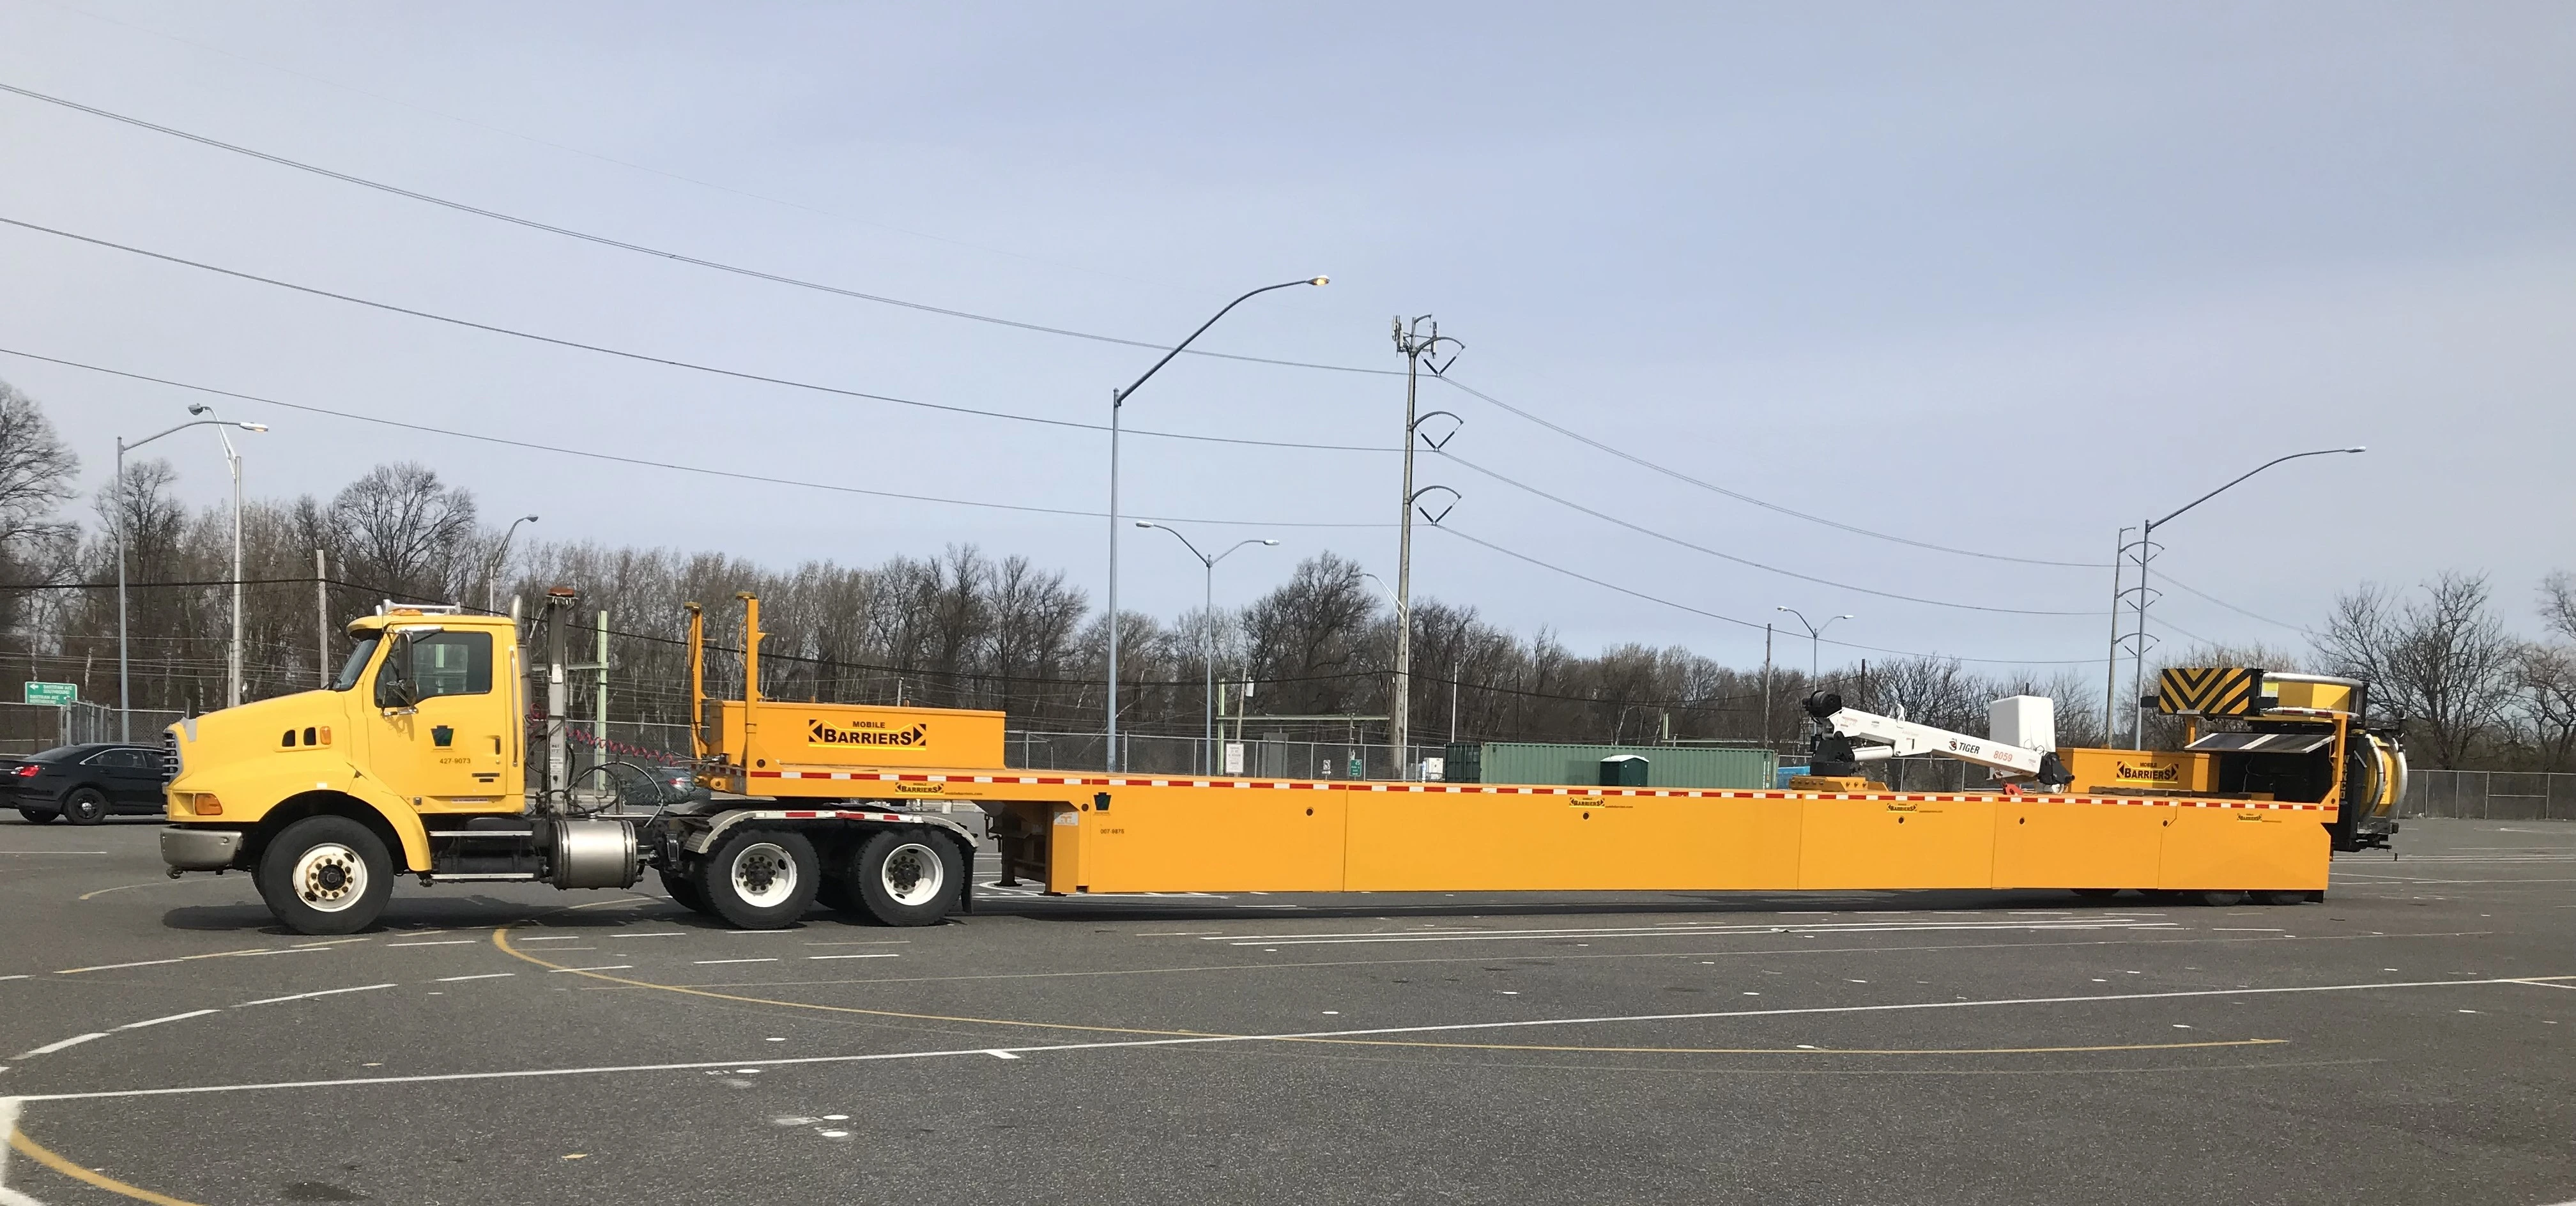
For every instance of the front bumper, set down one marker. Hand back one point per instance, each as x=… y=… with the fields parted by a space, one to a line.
x=188 y=848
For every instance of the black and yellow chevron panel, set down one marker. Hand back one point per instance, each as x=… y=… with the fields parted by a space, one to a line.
x=2210 y=691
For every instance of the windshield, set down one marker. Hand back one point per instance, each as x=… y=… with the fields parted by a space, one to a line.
x=357 y=663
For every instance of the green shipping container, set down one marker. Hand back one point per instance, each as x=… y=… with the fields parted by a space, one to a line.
x=1580 y=765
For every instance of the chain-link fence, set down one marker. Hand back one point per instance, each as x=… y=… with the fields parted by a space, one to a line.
x=2490 y=795
x=31 y=728
x=1026 y=749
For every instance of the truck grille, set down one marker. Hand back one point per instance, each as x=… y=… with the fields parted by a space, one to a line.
x=169 y=755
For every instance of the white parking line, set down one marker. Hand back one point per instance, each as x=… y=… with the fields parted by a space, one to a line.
x=306 y=996
x=50 y=1048
x=771 y=959
x=885 y=955
x=1190 y=1040
x=657 y=934
x=603 y=967
x=484 y=976
x=404 y=946
x=176 y=1017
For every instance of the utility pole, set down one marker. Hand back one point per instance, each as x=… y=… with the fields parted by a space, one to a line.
x=1415 y=343
x=322 y=617
x=599 y=714
x=2111 y=661
x=1766 y=686
x=559 y=604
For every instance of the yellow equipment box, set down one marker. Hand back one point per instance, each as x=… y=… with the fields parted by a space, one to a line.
x=780 y=735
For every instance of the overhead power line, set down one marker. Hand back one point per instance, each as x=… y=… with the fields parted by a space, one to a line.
x=1452 y=530
x=1739 y=496
x=659 y=253
x=767 y=479
x=1641 y=529
x=666 y=361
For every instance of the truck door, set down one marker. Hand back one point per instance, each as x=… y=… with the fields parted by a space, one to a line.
x=441 y=733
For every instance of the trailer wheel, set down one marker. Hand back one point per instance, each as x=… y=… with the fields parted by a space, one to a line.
x=908 y=878
x=2219 y=898
x=760 y=879
x=684 y=891
x=325 y=875
x=2280 y=898
x=2097 y=893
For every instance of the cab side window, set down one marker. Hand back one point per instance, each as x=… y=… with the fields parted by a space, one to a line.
x=444 y=663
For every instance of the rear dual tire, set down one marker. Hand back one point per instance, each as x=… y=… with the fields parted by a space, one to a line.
x=759 y=879
x=39 y=816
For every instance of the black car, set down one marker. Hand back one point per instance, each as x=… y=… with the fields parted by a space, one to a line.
x=87 y=783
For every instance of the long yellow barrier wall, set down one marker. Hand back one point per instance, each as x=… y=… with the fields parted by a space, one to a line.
x=1274 y=835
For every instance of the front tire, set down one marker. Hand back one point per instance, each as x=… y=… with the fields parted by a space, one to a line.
x=760 y=879
x=39 y=816
x=85 y=806
x=325 y=875
x=908 y=878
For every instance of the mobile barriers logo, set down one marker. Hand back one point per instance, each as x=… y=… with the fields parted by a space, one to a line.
x=867 y=732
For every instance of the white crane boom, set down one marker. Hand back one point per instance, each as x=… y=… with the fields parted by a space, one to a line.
x=1847 y=737
x=1895 y=738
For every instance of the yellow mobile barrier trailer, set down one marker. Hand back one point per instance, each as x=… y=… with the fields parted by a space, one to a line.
x=413 y=762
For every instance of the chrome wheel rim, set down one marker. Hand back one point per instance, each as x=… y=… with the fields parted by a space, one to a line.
x=912 y=874
x=764 y=874
x=330 y=877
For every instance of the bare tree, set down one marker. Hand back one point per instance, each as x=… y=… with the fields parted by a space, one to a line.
x=37 y=471
x=2444 y=663
x=405 y=532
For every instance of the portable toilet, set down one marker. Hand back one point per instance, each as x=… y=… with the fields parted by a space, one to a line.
x=1623 y=770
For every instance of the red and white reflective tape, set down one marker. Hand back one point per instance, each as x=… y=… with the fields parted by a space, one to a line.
x=1676 y=793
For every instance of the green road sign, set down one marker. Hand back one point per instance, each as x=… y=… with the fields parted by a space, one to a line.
x=58 y=695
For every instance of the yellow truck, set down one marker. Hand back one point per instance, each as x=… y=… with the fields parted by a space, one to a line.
x=414 y=762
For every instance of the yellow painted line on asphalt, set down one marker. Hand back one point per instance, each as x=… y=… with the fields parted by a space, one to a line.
x=44 y=1155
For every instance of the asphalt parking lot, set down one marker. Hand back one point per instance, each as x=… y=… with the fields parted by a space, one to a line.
x=2412 y=1039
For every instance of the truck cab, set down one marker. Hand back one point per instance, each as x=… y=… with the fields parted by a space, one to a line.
x=422 y=723
x=414 y=761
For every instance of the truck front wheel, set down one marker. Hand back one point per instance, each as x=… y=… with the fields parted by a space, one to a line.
x=908 y=878
x=760 y=879
x=325 y=875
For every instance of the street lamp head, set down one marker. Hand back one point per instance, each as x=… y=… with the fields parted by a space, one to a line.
x=252 y=426
x=1142 y=524
x=1842 y=617
x=527 y=519
x=1270 y=542
x=1321 y=280
x=198 y=408
x=2357 y=449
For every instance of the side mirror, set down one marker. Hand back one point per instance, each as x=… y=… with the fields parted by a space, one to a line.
x=393 y=678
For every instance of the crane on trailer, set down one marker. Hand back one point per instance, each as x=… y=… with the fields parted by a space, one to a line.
x=416 y=761
x=1848 y=737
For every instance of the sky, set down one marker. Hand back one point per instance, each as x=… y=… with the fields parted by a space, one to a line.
x=1968 y=288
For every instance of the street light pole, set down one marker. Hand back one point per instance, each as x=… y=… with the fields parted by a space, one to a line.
x=1117 y=401
x=124 y=669
x=1208 y=610
x=492 y=572
x=1815 y=639
x=2146 y=553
